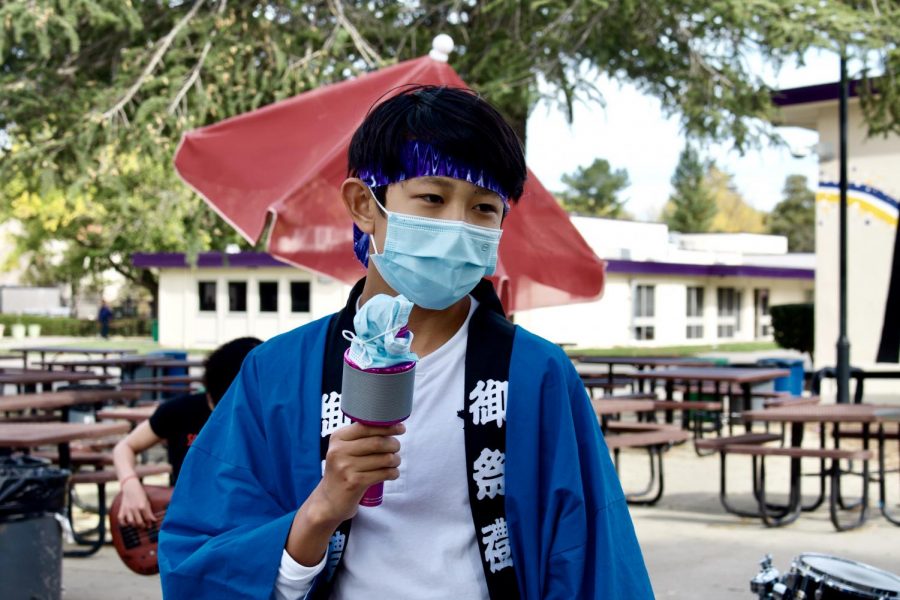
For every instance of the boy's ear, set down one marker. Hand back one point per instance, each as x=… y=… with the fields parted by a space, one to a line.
x=359 y=203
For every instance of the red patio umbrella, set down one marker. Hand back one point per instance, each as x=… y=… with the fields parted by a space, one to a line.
x=286 y=162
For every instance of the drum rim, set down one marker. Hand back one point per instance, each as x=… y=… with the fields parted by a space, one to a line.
x=799 y=564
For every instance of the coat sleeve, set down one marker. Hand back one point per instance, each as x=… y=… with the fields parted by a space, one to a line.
x=613 y=563
x=225 y=529
x=570 y=529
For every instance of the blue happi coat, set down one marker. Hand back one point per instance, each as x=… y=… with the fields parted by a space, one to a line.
x=258 y=458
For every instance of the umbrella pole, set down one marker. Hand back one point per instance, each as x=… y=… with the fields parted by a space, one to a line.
x=843 y=343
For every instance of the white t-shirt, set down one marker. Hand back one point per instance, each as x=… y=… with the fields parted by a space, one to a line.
x=420 y=543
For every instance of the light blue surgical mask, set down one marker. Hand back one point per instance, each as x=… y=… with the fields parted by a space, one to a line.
x=434 y=262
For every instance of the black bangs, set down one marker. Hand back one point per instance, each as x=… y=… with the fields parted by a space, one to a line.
x=455 y=121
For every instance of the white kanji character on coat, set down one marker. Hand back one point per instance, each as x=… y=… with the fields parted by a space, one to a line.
x=497 y=552
x=488 y=473
x=333 y=417
x=490 y=402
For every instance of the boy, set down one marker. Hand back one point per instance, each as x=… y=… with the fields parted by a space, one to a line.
x=502 y=486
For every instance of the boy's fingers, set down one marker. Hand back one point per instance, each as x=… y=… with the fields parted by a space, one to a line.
x=358 y=431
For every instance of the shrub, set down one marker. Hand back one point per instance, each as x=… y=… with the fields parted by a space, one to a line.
x=794 y=326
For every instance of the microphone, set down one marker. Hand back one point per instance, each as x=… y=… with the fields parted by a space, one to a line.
x=379 y=370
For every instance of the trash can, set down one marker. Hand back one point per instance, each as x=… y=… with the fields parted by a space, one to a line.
x=32 y=501
x=793 y=383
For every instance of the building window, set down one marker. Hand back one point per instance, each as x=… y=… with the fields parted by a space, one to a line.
x=206 y=290
x=761 y=310
x=268 y=296
x=237 y=296
x=729 y=311
x=644 y=311
x=694 y=313
x=644 y=332
x=643 y=301
x=299 y=296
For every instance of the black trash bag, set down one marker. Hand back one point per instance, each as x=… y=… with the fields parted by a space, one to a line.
x=30 y=487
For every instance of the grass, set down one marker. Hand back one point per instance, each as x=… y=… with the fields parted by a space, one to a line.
x=674 y=350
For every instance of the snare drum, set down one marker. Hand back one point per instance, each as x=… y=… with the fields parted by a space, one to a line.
x=822 y=577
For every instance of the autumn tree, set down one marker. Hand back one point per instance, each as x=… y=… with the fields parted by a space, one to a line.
x=733 y=213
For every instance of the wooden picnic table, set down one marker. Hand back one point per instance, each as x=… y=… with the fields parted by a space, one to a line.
x=137 y=414
x=34 y=435
x=175 y=363
x=50 y=400
x=64 y=400
x=866 y=415
x=35 y=377
x=167 y=380
x=612 y=406
x=641 y=363
x=44 y=350
x=745 y=377
x=127 y=364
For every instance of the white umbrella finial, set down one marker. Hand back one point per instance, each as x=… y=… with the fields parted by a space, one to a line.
x=441 y=47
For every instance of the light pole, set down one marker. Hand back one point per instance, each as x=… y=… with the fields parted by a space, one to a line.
x=843 y=342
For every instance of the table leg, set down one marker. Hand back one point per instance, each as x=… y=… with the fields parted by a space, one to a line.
x=670 y=395
x=746 y=404
x=882 y=474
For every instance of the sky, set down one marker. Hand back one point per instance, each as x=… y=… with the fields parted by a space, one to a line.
x=632 y=133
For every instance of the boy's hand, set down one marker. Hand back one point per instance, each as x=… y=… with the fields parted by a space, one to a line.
x=135 y=507
x=358 y=456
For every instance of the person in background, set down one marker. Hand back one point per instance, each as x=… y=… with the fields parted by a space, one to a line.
x=104 y=316
x=176 y=421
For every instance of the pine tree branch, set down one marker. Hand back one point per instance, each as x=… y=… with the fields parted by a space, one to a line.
x=164 y=45
x=366 y=52
x=195 y=73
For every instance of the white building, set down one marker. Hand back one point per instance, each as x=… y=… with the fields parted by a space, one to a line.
x=667 y=289
x=873 y=247
x=661 y=289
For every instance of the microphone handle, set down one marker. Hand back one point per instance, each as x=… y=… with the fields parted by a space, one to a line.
x=373 y=496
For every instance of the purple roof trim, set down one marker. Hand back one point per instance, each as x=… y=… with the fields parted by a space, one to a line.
x=177 y=260
x=635 y=267
x=816 y=93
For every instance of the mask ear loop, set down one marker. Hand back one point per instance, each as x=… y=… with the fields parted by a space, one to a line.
x=383 y=210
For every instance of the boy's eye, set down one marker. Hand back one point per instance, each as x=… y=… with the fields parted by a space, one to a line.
x=487 y=208
x=431 y=198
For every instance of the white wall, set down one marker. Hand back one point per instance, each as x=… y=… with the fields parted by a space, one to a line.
x=183 y=325
x=873 y=162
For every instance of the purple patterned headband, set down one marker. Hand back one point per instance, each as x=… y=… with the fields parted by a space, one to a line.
x=421 y=159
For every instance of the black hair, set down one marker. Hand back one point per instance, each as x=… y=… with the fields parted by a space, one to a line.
x=223 y=365
x=456 y=121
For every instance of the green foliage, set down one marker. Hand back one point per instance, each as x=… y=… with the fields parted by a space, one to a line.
x=794 y=326
x=95 y=94
x=795 y=215
x=594 y=190
x=691 y=206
